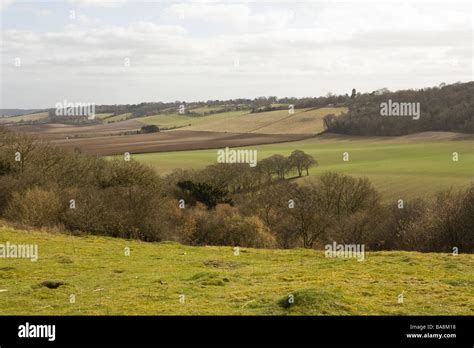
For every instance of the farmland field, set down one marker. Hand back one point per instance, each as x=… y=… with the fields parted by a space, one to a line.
x=103 y=116
x=51 y=131
x=208 y=108
x=24 y=118
x=169 y=141
x=177 y=120
x=409 y=166
x=306 y=121
x=215 y=281
x=116 y=118
x=303 y=121
x=239 y=128
x=399 y=167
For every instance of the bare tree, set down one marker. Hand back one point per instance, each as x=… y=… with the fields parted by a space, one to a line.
x=276 y=164
x=301 y=161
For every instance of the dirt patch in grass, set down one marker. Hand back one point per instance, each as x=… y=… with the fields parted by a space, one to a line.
x=6 y=269
x=50 y=284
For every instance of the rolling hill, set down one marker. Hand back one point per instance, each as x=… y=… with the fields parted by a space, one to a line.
x=24 y=118
x=303 y=121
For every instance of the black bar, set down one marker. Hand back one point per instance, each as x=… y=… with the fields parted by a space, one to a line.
x=328 y=330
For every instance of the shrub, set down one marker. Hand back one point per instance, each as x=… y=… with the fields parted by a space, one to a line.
x=149 y=129
x=127 y=212
x=36 y=207
x=451 y=221
x=225 y=226
x=400 y=228
x=204 y=193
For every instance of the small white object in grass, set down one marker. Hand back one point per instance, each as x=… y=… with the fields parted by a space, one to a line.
x=99 y=289
x=3 y=290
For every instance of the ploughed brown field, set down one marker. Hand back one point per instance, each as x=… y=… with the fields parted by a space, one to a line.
x=105 y=139
x=171 y=141
x=52 y=131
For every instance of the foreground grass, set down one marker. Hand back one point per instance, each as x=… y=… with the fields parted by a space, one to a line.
x=217 y=282
x=398 y=167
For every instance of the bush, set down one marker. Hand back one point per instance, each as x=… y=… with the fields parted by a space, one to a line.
x=36 y=207
x=401 y=228
x=127 y=212
x=225 y=226
x=451 y=221
x=149 y=129
x=204 y=193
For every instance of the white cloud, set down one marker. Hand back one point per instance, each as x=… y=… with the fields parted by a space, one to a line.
x=4 y=4
x=99 y=3
x=44 y=12
x=237 y=15
x=290 y=49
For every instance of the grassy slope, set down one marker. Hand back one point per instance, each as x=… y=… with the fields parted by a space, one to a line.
x=216 y=282
x=398 y=167
x=306 y=121
x=116 y=118
x=103 y=115
x=27 y=117
x=203 y=109
x=273 y=122
x=177 y=120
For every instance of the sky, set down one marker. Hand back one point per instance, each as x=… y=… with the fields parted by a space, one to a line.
x=126 y=51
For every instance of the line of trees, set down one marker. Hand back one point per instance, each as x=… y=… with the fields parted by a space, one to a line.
x=223 y=204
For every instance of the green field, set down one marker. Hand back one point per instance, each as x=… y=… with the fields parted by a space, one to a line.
x=177 y=120
x=203 y=109
x=215 y=281
x=28 y=117
x=404 y=167
x=103 y=116
x=303 y=121
x=121 y=117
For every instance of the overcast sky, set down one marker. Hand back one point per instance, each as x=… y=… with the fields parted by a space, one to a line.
x=197 y=50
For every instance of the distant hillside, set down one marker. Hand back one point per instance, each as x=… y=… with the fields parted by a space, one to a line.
x=302 y=121
x=25 y=119
x=17 y=112
x=444 y=108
